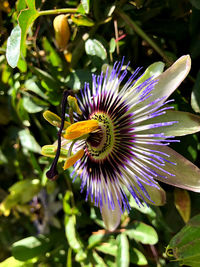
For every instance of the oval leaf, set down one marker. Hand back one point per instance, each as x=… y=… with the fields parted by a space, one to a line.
x=143 y=233
x=123 y=251
x=13 y=47
x=184 y=246
x=30 y=247
x=86 y=5
x=95 y=48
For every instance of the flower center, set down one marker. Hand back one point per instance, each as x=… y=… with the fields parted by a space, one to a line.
x=100 y=143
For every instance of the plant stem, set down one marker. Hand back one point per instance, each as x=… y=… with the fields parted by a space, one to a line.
x=57 y=11
x=143 y=35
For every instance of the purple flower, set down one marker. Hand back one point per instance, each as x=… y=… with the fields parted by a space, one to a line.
x=119 y=136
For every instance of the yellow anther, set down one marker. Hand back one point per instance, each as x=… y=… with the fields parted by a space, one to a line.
x=73 y=159
x=72 y=101
x=80 y=128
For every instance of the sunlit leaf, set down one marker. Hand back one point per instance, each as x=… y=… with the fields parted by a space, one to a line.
x=13 y=47
x=99 y=260
x=94 y=48
x=112 y=45
x=25 y=19
x=122 y=251
x=142 y=232
x=107 y=248
x=30 y=105
x=95 y=239
x=51 y=53
x=71 y=233
x=32 y=85
x=28 y=141
x=20 y=193
x=82 y=20
x=137 y=257
x=11 y=261
x=86 y=5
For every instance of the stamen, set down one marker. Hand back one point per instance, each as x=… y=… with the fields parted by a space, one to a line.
x=80 y=129
x=73 y=159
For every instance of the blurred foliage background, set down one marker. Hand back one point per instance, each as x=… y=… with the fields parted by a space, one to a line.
x=44 y=223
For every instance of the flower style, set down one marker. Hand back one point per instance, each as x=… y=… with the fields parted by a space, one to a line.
x=118 y=137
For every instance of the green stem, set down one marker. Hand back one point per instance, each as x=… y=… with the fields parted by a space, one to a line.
x=143 y=35
x=57 y=11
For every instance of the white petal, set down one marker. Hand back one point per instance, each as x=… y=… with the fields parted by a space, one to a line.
x=111 y=217
x=187 y=175
x=157 y=195
x=188 y=123
x=169 y=80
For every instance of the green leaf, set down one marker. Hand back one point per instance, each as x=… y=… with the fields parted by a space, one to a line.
x=94 y=240
x=143 y=209
x=13 y=47
x=20 y=5
x=25 y=19
x=195 y=97
x=80 y=9
x=30 y=247
x=22 y=113
x=136 y=257
x=112 y=45
x=107 y=248
x=71 y=234
x=86 y=5
x=31 y=85
x=11 y=261
x=20 y=193
x=122 y=259
x=142 y=232
x=28 y=141
x=184 y=246
x=82 y=20
x=30 y=105
x=99 y=261
x=51 y=54
x=51 y=84
x=94 y=48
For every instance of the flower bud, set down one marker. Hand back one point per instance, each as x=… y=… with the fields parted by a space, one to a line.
x=62 y=31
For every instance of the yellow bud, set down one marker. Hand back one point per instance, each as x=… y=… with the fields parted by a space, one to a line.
x=62 y=31
x=73 y=159
x=80 y=128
